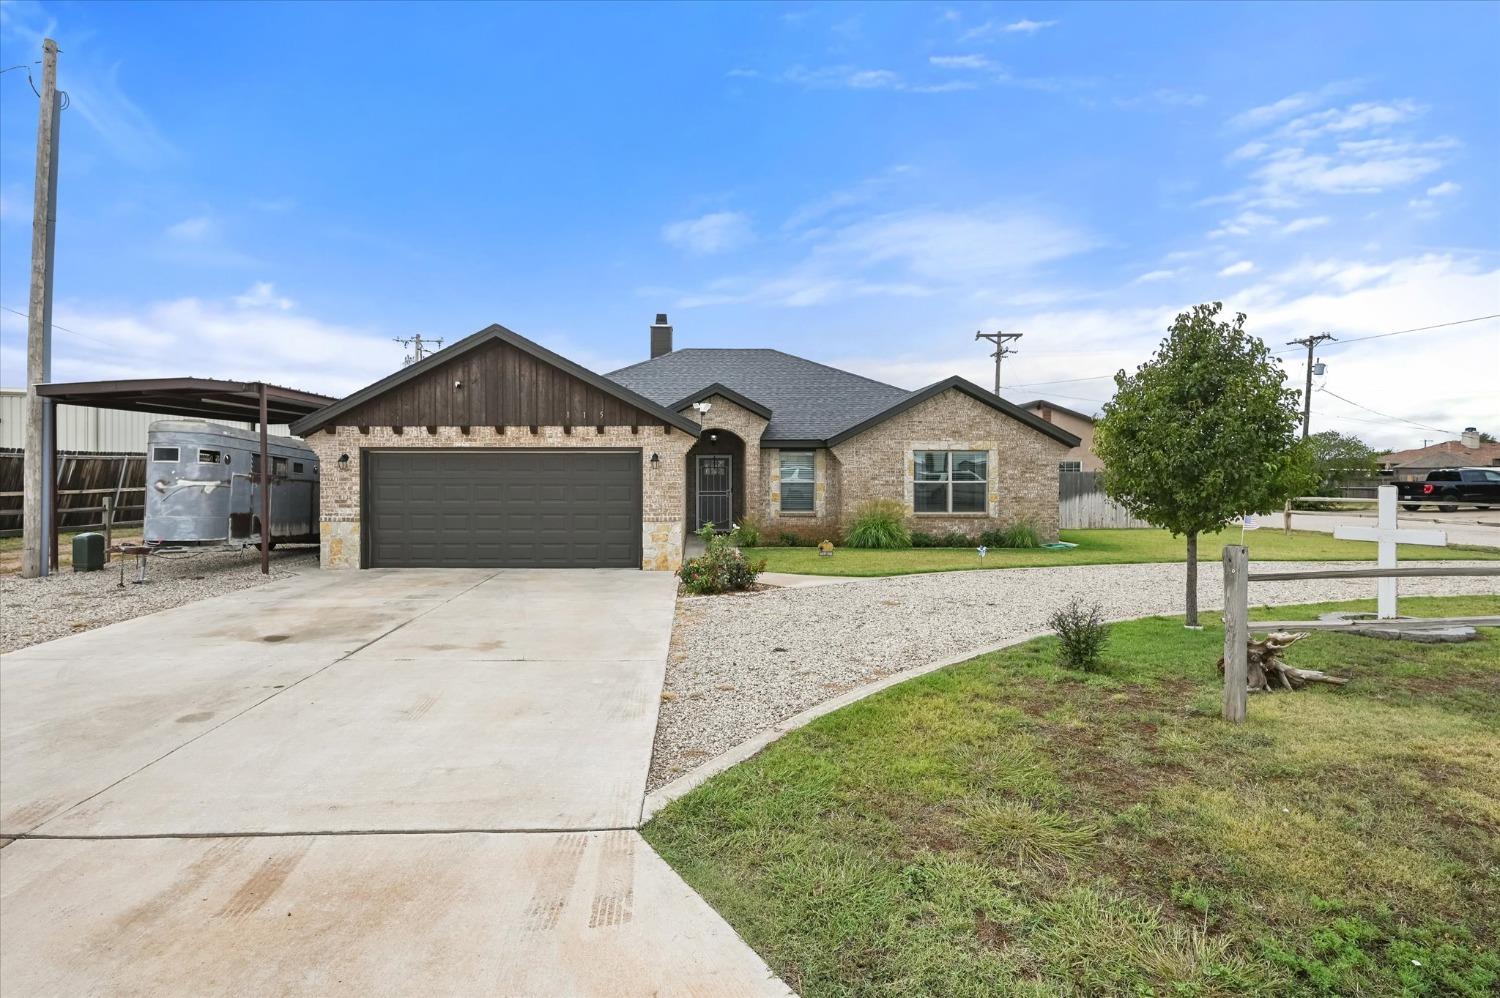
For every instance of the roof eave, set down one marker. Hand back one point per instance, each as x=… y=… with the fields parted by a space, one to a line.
x=719 y=388
x=321 y=418
x=973 y=391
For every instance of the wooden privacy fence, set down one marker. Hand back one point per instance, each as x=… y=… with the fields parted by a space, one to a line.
x=1237 y=579
x=86 y=483
x=1083 y=505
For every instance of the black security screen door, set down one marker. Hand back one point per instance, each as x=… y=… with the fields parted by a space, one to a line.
x=715 y=490
x=503 y=509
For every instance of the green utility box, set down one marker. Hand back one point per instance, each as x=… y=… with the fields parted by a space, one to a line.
x=88 y=552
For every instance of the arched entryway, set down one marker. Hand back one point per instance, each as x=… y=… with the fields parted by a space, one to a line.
x=716 y=480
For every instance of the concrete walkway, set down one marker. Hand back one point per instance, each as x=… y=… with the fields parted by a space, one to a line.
x=352 y=783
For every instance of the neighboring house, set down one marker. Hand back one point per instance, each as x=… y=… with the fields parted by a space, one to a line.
x=1082 y=457
x=1414 y=464
x=497 y=452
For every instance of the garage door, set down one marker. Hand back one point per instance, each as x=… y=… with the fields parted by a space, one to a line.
x=503 y=509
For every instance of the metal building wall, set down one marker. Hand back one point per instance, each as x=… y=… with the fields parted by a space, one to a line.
x=80 y=428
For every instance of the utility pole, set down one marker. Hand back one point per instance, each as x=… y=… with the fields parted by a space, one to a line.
x=37 y=520
x=419 y=348
x=1001 y=350
x=1310 y=342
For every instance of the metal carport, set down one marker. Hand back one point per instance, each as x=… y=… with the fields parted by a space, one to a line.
x=203 y=398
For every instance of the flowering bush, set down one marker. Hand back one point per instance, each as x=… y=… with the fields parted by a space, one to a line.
x=721 y=568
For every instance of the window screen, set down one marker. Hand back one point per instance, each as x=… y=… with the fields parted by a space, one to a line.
x=209 y=456
x=796 y=481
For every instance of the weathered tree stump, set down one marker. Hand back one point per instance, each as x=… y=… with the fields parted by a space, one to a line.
x=1265 y=672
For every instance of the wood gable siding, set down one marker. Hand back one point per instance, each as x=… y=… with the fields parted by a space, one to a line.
x=502 y=386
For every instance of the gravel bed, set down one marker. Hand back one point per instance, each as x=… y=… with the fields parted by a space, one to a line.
x=37 y=610
x=741 y=663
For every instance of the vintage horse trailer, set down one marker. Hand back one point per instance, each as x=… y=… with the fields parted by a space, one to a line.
x=203 y=486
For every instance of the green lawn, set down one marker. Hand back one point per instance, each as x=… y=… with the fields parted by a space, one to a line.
x=1006 y=826
x=1098 y=547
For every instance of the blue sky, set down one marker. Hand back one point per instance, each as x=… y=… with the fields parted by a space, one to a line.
x=277 y=191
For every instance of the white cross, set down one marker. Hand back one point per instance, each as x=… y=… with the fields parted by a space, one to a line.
x=1389 y=535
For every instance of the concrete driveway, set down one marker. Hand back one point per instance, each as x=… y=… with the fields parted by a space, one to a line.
x=372 y=782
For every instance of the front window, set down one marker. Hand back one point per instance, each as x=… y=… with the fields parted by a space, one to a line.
x=164 y=454
x=208 y=456
x=950 y=481
x=1070 y=466
x=796 y=481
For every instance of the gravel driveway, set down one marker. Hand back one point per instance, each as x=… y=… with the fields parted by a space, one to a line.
x=741 y=663
x=37 y=610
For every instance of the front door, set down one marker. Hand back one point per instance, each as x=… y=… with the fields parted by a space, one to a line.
x=715 y=490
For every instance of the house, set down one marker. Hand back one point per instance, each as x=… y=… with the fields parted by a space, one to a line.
x=498 y=452
x=1081 y=425
x=1414 y=464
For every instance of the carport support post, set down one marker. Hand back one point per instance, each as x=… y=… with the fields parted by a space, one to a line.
x=1236 y=630
x=265 y=488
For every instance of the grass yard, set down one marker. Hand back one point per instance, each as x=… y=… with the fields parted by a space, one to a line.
x=1099 y=547
x=1006 y=826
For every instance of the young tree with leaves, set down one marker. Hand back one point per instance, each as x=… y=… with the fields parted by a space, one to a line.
x=1339 y=456
x=1203 y=432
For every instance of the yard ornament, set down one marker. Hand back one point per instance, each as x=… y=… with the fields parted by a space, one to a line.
x=825 y=549
x=982 y=551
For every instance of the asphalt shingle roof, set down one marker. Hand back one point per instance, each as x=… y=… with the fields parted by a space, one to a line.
x=808 y=401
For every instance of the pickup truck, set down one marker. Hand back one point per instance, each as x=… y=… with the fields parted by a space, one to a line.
x=1452 y=487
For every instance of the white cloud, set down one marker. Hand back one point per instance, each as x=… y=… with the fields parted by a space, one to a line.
x=1304 y=224
x=262 y=294
x=961 y=61
x=1236 y=269
x=1354 y=118
x=1444 y=189
x=996 y=27
x=716 y=232
x=838 y=201
x=1286 y=107
x=1028 y=27
x=1152 y=276
x=1360 y=170
x=213 y=337
x=191 y=230
x=1242 y=224
x=906 y=254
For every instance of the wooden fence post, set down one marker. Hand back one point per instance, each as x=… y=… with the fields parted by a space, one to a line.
x=108 y=516
x=1236 y=629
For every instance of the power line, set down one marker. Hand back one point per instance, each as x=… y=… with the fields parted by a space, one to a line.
x=1288 y=353
x=91 y=339
x=1387 y=415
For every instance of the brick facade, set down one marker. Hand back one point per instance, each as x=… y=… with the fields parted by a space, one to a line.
x=1022 y=464
x=663 y=493
x=725 y=415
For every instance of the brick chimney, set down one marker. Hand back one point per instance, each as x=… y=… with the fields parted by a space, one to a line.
x=661 y=336
x=1470 y=438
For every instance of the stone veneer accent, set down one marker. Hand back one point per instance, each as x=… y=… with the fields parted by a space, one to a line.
x=824 y=513
x=730 y=416
x=663 y=489
x=1023 y=464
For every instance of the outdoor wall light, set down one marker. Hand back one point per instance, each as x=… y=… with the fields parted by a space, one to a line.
x=713 y=438
x=655 y=459
x=343 y=462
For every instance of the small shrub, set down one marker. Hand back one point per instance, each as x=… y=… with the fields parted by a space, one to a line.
x=1080 y=628
x=802 y=537
x=922 y=539
x=721 y=568
x=746 y=534
x=952 y=539
x=1021 y=534
x=879 y=523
